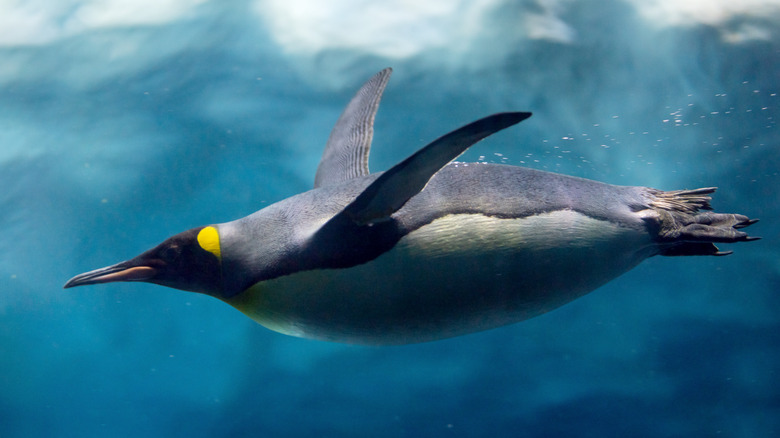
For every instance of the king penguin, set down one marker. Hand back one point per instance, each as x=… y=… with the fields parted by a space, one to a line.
x=428 y=249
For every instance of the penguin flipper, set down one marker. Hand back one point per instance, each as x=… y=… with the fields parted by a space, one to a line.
x=346 y=153
x=394 y=187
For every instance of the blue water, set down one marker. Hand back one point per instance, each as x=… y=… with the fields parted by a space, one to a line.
x=123 y=123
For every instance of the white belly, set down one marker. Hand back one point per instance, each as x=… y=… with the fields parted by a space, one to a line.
x=456 y=275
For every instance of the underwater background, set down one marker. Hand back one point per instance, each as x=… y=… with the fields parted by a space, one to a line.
x=123 y=122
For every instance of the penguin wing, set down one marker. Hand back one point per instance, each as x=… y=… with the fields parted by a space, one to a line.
x=346 y=153
x=388 y=193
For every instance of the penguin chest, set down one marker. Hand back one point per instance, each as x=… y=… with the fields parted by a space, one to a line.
x=456 y=275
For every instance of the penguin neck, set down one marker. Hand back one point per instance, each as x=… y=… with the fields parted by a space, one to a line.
x=253 y=248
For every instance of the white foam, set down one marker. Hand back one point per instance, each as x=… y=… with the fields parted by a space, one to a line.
x=717 y=13
x=393 y=29
x=45 y=21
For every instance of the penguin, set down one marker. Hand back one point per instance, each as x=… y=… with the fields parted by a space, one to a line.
x=429 y=249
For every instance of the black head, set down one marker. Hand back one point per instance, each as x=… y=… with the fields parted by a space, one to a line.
x=188 y=261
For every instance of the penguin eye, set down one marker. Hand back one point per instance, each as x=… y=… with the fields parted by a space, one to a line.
x=170 y=254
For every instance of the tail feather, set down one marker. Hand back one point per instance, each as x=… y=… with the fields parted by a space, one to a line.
x=688 y=201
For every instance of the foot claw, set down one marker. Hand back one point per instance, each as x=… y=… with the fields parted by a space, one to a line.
x=746 y=223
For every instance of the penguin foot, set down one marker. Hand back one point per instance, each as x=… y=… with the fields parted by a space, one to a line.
x=709 y=227
x=683 y=229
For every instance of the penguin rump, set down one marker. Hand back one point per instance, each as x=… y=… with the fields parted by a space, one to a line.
x=428 y=249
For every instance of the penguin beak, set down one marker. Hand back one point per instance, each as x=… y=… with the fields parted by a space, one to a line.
x=125 y=271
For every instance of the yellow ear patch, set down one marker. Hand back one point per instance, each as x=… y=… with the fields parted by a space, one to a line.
x=208 y=239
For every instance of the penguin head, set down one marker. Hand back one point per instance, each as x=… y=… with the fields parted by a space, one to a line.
x=188 y=261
